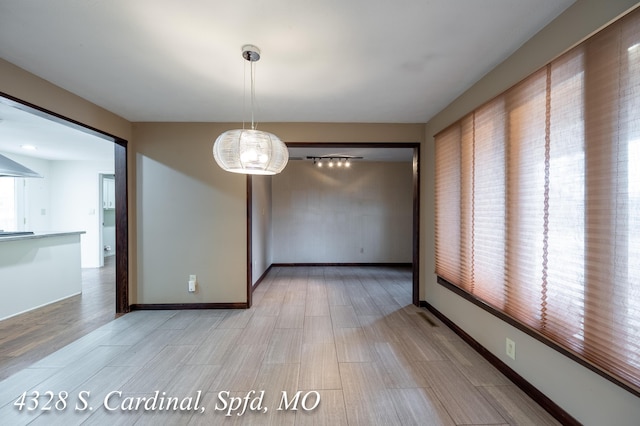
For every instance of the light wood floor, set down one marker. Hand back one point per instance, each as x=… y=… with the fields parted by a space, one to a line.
x=29 y=337
x=349 y=334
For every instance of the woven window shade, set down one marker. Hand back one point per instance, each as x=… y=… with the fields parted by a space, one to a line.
x=447 y=206
x=538 y=202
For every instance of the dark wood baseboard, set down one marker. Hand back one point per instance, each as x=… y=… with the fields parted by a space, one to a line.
x=262 y=277
x=178 y=306
x=380 y=264
x=551 y=407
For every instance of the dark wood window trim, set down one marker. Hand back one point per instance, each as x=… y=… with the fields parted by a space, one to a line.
x=534 y=334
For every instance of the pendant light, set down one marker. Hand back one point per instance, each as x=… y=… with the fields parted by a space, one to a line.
x=250 y=151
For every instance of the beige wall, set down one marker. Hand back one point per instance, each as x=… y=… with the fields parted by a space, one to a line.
x=192 y=215
x=346 y=132
x=363 y=214
x=30 y=88
x=588 y=397
x=186 y=216
x=261 y=225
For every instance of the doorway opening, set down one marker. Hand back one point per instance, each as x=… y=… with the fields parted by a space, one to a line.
x=414 y=148
x=120 y=210
x=107 y=200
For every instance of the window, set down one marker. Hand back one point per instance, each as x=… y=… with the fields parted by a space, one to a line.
x=8 y=213
x=632 y=296
x=538 y=203
x=13 y=199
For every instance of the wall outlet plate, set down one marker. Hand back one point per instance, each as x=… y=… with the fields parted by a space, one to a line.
x=511 y=348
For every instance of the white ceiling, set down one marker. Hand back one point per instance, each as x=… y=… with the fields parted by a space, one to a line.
x=322 y=61
x=52 y=140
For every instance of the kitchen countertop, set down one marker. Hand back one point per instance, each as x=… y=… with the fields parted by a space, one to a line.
x=37 y=235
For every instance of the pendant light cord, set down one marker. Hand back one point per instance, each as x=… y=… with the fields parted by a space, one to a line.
x=253 y=95
x=244 y=95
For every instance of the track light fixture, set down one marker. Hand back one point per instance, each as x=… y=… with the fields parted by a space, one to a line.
x=339 y=161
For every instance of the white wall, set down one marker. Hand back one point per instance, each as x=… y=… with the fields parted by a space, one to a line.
x=358 y=215
x=261 y=200
x=66 y=198
x=75 y=203
x=591 y=399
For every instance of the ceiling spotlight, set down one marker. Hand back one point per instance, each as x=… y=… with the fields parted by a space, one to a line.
x=331 y=162
x=347 y=163
x=319 y=162
x=339 y=162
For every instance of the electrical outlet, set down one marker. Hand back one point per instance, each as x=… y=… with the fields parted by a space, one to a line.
x=511 y=348
x=192 y=283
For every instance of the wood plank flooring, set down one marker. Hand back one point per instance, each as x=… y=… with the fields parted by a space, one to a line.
x=350 y=334
x=29 y=337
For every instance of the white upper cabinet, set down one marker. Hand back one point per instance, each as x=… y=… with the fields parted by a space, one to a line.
x=108 y=193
